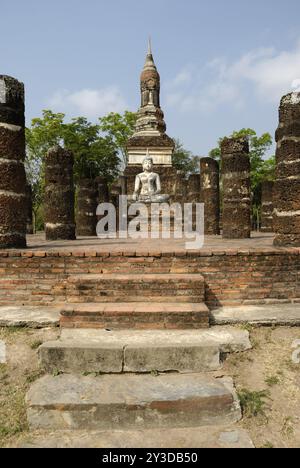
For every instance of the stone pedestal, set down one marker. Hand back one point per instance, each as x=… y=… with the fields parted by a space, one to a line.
x=87 y=197
x=287 y=184
x=12 y=154
x=29 y=221
x=59 y=194
x=267 y=206
x=210 y=195
x=236 y=188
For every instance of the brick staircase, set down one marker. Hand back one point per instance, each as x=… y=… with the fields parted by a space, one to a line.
x=136 y=355
x=154 y=301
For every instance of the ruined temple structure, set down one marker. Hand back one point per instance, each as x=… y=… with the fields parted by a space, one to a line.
x=180 y=187
x=193 y=189
x=236 y=188
x=210 y=195
x=287 y=183
x=59 y=194
x=150 y=133
x=267 y=206
x=12 y=155
x=102 y=190
x=29 y=219
x=87 y=201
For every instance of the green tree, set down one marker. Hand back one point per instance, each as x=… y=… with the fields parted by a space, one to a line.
x=119 y=128
x=184 y=160
x=93 y=153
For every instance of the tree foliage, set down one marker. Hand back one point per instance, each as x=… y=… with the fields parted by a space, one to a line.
x=261 y=168
x=119 y=128
x=184 y=160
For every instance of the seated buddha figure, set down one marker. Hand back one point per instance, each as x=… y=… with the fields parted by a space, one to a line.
x=147 y=185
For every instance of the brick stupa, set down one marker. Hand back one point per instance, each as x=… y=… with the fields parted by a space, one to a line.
x=150 y=132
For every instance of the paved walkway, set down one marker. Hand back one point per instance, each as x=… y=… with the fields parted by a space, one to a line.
x=258 y=241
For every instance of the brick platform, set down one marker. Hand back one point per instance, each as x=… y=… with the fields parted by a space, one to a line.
x=253 y=272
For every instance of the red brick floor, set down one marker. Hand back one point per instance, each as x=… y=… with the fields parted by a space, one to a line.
x=258 y=241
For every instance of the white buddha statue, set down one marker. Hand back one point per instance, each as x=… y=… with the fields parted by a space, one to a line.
x=147 y=185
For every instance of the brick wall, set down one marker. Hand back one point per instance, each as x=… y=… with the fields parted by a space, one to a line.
x=231 y=278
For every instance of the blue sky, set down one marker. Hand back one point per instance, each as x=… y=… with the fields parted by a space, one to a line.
x=224 y=64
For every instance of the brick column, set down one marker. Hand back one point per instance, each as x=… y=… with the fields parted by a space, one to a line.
x=287 y=183
x=180 y=188
x=193 y=188
x=12 y=172
x=87 y=197
x=267 y=206
x=210 y=195
x=59 y=194
x=29 y=220
x=102 y=189
x=236 y=216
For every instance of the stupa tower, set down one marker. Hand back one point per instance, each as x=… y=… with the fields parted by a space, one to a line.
x=150 y=129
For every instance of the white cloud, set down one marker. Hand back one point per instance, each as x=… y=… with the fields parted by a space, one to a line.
x=90 y=103
x=183 y=77
x=266 y=73
x=270 y=71
x=296 y=85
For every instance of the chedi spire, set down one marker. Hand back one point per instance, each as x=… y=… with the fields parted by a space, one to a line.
x=150 y=119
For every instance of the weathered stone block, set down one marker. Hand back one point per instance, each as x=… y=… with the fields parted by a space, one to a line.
x=109 y=402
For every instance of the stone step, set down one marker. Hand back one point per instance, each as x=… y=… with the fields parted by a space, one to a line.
x=260 y=315
x=187 y=437
x=134 y=288
x=86 y=350
x=29 y=316
x=137 y=315
x=131 y=402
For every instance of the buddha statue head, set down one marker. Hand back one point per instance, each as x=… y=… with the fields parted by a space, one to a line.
x=148 y=164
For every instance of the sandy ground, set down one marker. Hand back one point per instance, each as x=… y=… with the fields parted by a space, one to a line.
x=268 y=366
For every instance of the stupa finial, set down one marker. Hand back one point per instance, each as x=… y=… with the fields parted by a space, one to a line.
x=149 y=46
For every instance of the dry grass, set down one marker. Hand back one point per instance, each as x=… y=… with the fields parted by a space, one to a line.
x=16 y=377
x=269 y=369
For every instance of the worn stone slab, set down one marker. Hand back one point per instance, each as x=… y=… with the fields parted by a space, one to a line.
x=71 y=356
x=271 y=314
x=32 y=317
x=228 y=339
x=164 y=358
x=131 y=402
x=188 y=437
x=88 y=350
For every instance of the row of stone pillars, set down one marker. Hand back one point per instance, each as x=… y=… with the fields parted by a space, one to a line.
x=59 y=196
